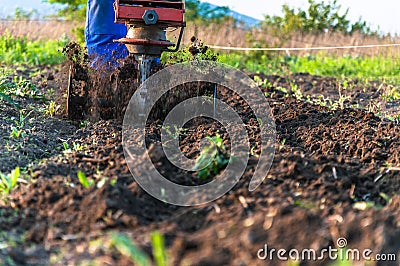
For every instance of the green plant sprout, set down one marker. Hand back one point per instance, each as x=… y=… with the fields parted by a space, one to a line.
x=196 y=51
x=342 y=259
x=76 y=146
x=22 y=118
x=264 y=83
x=85 y=182
x=17 y=86
x=282 y=144
x=175 y=133
x=126 y=247
x=296 y=91
x=253 y=152
x=213 y=158
x=17 y=131
x=8 y=99
x=391 y=93
x=342 y=98
x=385 y=197
x=51 y=109
x=8 y=182
x=65 y=146
x=159 y=253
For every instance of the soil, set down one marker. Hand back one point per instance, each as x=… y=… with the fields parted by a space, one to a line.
x=332 y=171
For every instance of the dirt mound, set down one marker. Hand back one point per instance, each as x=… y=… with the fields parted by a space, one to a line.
x=330 y=177
x=335 y=175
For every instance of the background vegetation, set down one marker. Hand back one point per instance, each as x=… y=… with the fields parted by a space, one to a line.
x=21 y=50
x=319 y=24
x=319 y=17
x=73 y=10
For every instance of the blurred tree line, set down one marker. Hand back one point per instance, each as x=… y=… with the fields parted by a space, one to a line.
x=319 y=17
x=21 y=14
x=197 y=11
x=72 y=10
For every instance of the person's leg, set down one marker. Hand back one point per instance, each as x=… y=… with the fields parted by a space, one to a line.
x=100 y=32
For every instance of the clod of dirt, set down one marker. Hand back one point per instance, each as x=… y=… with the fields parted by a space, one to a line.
x=100 y=93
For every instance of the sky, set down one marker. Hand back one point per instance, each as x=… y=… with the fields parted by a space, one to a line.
x=7 y=7
x=383 y=13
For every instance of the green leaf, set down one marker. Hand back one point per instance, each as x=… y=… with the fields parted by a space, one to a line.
x=126 y=247
x=5 y=183
x=83 y=179
x=66 y=146
x=2 y=185
x=14 y=176
x=205 y=158
x=212 y=158
x=203 y=174
x=9 y=100
x=385 y=197
x=159 y=254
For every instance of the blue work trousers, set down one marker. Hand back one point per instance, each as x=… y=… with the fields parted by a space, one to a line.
x=100 y=31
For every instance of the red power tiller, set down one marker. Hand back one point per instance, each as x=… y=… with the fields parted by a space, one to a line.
x=147 y=22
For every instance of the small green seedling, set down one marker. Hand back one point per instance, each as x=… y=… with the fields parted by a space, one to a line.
x=212 y=159
x=293 y=263
x=385 y=197
x=282 y=144
x=298 y=94
x=85 y=182
x=126 y=247
x=66 y=146
x=51 y=109
x=159 y=254
x=175 y=133
x=8 y=99
x=264 y=83
x=8 y=182
x=342 y=259
x=17 y=133
x=22 y=118
x=78 y=147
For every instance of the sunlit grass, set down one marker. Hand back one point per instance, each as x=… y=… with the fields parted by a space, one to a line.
x=380 y=68
x=21 y=50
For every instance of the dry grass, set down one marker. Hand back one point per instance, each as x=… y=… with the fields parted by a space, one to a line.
x=38 y=29
x=224 y=35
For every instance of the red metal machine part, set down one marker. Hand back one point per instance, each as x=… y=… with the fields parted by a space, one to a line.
x=147 y=22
